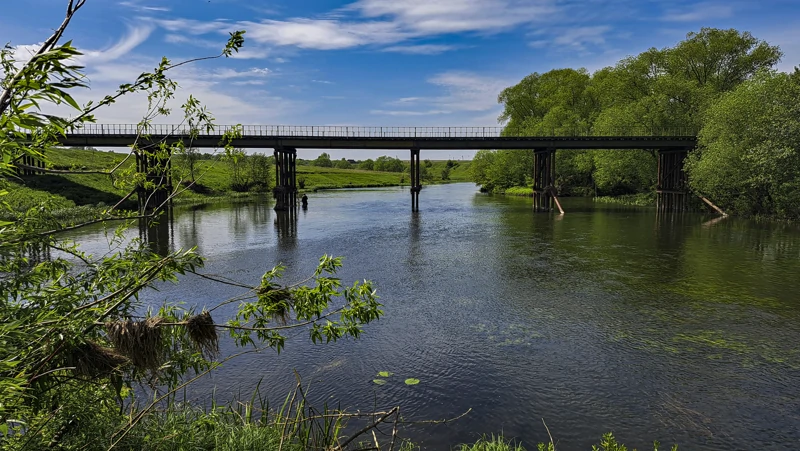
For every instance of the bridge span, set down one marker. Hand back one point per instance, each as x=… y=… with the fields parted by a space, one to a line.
x=672 y=145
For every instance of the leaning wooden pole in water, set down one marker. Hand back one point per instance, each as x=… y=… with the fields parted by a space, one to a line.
x=711 y=204
x=554 y=193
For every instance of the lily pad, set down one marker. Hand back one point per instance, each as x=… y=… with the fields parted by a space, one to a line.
x=378 y=381
x=385 y=373
x=412 y=381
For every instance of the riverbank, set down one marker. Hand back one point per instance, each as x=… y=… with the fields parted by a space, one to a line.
x=84 y=188
x=639 y=200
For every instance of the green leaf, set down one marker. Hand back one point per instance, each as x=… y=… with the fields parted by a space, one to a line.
x=379 y=381
x=385 y=373
x=412 y=381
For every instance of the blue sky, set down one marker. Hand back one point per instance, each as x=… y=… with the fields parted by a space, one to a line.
x=373 y=62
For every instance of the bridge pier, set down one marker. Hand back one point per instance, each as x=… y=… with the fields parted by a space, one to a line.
x=671 y=189
x=285 y=178
x=155 y=192
x=416 y=186
x=544 y=178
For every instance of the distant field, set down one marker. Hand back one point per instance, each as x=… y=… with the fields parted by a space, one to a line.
x=70 y=190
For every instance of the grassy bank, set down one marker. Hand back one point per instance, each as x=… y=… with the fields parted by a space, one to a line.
x=638 y=200
x=81 y=195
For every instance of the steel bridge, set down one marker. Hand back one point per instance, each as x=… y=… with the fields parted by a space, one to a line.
x=672 y=145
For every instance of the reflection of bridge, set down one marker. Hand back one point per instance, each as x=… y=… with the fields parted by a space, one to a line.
x=672 y=145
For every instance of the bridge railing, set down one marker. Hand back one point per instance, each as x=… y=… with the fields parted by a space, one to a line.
x=348 y=131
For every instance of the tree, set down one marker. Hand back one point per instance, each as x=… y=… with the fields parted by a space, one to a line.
x=388 y=164
x=343 y=164
x=70 y=343
x=367 y=165
x=661 y=91
x=323 y=161
x=749 y=151
x=260 y=170
x=240 y=176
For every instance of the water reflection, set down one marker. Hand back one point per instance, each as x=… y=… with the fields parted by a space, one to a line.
x=605 y=318
x=286 y=228
x=158 y=232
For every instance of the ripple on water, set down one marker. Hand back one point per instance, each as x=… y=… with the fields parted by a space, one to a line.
x=598 y=320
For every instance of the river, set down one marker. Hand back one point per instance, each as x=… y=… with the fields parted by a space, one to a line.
x=680 y=328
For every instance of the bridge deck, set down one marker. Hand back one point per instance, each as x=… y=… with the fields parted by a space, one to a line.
x=381 y=138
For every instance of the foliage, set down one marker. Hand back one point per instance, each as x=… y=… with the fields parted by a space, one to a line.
x=72 y=329
x=388 y=164
x=240 y=178
x=342 y=164
x=750 y=148
x=498 y=443
x=323 y=161
x=367 y=165
x=261 y=170
x=659 y=91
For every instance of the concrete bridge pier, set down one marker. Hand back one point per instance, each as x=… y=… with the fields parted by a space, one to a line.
x=285 y=179
x=156 y=165
x=416 y=186
x=544 y=178
x=672 y=193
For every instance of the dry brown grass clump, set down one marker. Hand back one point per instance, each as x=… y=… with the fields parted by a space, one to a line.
x=279 y=302
x=139 y=341
x=94 y=361
x=203 y=334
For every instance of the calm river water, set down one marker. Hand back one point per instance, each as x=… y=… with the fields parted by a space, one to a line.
x=677 y=329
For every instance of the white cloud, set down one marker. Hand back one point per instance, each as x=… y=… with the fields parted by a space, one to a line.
x=471 y=96
x=227 y=73
x=409 y=113
x=137 y=6
x=195 y=27
x=381 y=22
x=426 y=17
x=422 y=49
x=136 y=34
x=579 y=37
x=699 y=12
x=324 y=82
x=467 y=91
x=322 y=34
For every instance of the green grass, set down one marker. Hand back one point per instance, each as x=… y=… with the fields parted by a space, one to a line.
x=314 y=178
x=638 y=200
x=66 y=192
x=520 y=191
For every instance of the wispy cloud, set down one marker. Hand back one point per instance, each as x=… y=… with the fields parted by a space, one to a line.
x=580 y=37
x=381 y=23
x=408 y=112
x=699 y=12
x=138 y=6
x=463 y=92
x=422 y=49
x=467 y=91
x=323 y=34
x=426 y=17
x=225 y=74
x=135 y=35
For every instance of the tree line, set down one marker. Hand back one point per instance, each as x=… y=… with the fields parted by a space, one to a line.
x=721 y=85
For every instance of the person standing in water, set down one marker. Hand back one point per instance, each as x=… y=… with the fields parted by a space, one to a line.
x=304 y=201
